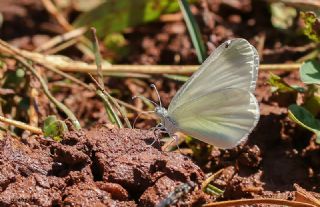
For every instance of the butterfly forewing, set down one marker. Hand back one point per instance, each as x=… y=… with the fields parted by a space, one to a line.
x=234 y=64
x=222 y=118
x=217 y=105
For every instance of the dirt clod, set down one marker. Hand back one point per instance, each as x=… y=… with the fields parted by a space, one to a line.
x=97 y=167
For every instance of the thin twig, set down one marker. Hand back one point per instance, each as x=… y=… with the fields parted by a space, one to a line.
x=61 y=38
x=51 y=8
x=311 y=55
x=42 y=61
x=81 y=67
x=250 y=202
x=21 y=125
x=57 y=15
x=5 y=47
x=285 y=49
x=60 y=47
x=67 y=76
x=32 y=112
x=304 y=196
x=160 y=69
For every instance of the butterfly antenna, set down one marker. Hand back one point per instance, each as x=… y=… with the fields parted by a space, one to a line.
x=144 y=98
x=143 y=112
x=155 y=88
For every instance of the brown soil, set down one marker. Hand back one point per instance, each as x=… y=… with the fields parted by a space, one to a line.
x=98 y=167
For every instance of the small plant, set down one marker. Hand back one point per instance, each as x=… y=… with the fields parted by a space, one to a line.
x=305 y=114
x=54 y=128
x=312 y=25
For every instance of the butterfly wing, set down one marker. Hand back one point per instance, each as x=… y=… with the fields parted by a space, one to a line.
x=222 y=118
x=233 y=64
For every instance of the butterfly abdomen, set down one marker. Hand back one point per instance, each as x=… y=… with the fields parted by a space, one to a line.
x=170 y=125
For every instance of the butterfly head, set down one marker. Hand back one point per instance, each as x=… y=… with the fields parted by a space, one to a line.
x=160 y=111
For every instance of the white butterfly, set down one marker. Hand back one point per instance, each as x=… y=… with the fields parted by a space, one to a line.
x=216 y=105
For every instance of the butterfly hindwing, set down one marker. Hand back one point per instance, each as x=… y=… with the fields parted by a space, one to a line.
x=222 y=118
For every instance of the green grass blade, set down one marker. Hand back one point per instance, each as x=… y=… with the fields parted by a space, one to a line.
x=102 y=93
x=194 y=30
x=181 y=78
x=97 y=56
x=213 y=190
x=114 y=118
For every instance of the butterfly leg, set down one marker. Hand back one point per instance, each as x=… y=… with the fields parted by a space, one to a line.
x=160 y=129
x=175 y=139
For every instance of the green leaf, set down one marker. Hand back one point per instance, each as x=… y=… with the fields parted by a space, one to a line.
x=194 y=30
x=305 y=119
x=312 y=103
x=279 y=85
x=282 y=16
x=54 y=128
x=114 y=16
x=298 y=88
x=310 y=72
x=312 y=25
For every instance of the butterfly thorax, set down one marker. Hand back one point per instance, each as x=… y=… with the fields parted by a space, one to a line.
x=166 y=120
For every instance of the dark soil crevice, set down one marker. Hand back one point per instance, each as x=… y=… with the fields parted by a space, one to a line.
x=96 y=168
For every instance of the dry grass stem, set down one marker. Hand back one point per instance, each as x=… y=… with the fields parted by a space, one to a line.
x=256 y=201
x=73 y=34
x=21 y=125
